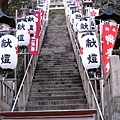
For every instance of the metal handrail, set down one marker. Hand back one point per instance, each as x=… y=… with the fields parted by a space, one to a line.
x=16 y=99
x=94 y=96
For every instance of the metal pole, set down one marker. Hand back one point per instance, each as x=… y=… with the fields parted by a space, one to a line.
x=102 y=81
x=24 y=59
x=37 y=3
x=16 y=16
x=96 y=101
x=32 y=5
x=18 y=93
x=15 y=71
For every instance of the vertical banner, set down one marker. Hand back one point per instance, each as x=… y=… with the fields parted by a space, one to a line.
x=35 y=40
x=42 y=15
x=109 y=37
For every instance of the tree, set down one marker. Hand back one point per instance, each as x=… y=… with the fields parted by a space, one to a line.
x=4 y=5
x=9 y=6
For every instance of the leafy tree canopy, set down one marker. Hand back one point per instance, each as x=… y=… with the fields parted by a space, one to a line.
x=9 y=6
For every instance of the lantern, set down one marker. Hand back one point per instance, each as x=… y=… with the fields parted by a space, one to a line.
x=8 y=41
x=23 y=33
x=87 y=1
x=71 y=8
x=77 y=17
x=72 y=18
x=9 y=52
x=89 y=50
x=4 y=26
x=8 y=59
x=32 y=22
x=83 y=24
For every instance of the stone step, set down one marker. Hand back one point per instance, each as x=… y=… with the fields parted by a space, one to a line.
x=48 y=59
x=56 y=31
x=55 y=67
x=58 y=97
x=63 y=65
x=58 y=55
x=33 y=89
x=40 y=82
x=52 y=82
x=60 y=36
x=38 y=79
x=52 y=85
x=52 y=43
x=57 y=102
x=51 y=46
x=55 y=41
x=57 y=73
x=56 y=93
x=58 y=70
x=56 y=59
x=62 y=61
x=54 y=76
x=50 y=29
x=58 y=107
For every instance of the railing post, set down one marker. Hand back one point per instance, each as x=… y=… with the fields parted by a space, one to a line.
x=0 y=90
x=115 y=85
x=22 y=99
x=1 y=117
x=90 y=98
x=27 y=87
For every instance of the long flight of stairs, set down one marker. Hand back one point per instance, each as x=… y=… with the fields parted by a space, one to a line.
x=57 y=92
x=57 y=84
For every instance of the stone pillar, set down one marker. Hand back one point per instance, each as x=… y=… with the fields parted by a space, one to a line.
x=115 y=86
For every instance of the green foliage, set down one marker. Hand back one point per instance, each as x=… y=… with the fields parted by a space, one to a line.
x=16 y=5
x=53 y=12
x=115 y=5
x=116 y=52
x=119 y=35
x=102 y=4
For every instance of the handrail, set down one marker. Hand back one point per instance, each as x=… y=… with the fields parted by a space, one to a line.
x=94 y=96
x=76 y=45
x=96 y=101
x=16 y=99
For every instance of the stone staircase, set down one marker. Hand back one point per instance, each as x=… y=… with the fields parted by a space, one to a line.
x=57 y=84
